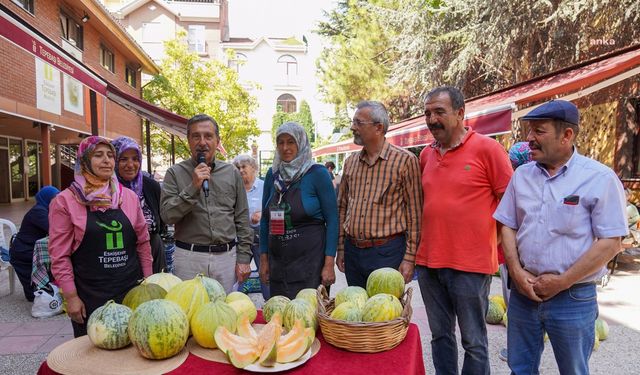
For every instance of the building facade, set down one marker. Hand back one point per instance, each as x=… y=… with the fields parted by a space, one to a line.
x=152 y=22
x=68 y=71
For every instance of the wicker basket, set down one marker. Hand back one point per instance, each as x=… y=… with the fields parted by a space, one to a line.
x=363 y=337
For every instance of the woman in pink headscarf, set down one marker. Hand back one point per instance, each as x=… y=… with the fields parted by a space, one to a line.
x=98 y=238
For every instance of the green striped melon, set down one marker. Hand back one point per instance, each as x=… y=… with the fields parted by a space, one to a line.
x=107 y=326
x=310 y=295
x=495 y=312
x=381 y=308
x=602 y=329
x=348 y=311
x=159 y=329
x=164 y=279
x=353 y=294
x=189 y=294
x=273 y=305
x=385 y=280
x=207 y=318
x=214 y=289
x=299 y=309
x=143 y=293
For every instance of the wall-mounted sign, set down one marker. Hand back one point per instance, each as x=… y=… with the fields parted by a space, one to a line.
x=48 y=93
x=73 y=95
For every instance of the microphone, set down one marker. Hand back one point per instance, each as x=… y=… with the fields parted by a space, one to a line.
x=205 y=183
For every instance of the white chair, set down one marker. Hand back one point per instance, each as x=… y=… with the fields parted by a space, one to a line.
x=6 y=243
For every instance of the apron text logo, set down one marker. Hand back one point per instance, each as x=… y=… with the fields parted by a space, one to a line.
x=113 y=240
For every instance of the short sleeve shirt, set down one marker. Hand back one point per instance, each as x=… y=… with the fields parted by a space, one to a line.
x=557 y=218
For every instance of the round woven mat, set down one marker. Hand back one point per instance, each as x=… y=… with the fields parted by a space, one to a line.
x=216 y=355
x=80 y=357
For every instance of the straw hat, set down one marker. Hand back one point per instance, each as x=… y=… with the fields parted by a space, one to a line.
x=80 y=357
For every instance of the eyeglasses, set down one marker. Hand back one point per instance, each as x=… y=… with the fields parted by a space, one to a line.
x=356 y=122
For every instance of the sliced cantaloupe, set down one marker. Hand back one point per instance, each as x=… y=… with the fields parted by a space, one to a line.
x=292 y=351
x=276 y=318
x=245 y=329
x=267 y=343
x=227 y=340
x=295 y=332
x=242 y=357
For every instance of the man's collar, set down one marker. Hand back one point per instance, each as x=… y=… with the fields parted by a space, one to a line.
x=566 y=165
x=470 y=131
x=384 y=153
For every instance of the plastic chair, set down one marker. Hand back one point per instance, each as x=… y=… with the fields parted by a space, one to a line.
x=6 y=243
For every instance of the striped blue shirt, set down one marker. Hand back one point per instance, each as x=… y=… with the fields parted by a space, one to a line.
x=558 y=218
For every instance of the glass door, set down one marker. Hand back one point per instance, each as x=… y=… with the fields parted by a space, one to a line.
x=33 y=165
x=16 y=166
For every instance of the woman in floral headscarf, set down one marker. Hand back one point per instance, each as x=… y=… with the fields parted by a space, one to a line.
x=128 y=159
x=98 y=238
x=299 y=224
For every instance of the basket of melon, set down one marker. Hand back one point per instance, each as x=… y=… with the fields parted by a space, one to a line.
x=367 y=321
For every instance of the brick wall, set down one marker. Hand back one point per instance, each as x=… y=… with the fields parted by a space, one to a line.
x=17 y=77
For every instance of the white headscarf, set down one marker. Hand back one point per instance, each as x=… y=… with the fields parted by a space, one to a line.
x=288 y=172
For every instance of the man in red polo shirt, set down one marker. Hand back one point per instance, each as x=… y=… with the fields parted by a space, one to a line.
x=464 y=174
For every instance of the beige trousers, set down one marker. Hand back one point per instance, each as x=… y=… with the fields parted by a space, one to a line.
x=220 y=266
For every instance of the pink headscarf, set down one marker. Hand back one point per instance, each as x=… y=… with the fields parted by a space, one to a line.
x=88 y=188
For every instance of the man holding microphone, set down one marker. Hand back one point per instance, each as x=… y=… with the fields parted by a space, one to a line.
x=206 y=201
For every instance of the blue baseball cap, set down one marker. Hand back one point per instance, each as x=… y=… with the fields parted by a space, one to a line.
x=555 y=110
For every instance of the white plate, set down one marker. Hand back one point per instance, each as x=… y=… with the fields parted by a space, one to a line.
x=256 y=367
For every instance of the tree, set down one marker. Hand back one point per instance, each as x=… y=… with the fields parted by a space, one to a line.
x=189 y=86
x=302 y=117
x=484 y=45
x=358 y=63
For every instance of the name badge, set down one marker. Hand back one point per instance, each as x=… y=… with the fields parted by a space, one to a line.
x=276 y=224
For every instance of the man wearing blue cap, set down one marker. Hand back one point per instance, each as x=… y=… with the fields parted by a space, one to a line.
x=563 y=217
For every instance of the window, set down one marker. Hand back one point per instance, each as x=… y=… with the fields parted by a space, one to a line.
x=25 y=4
x=288 y=65
x=196 y=39
x=71 y=30
x=107 y=59
x=287 y=103
x=238 y=61
x=130 y=76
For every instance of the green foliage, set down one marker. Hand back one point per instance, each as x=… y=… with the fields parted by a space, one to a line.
x=485 y=45
x=188 y=86
x=395 y=51
x=302 y=117
x=357 y=65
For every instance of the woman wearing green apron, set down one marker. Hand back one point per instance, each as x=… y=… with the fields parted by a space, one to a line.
x=299 y=224
x=98 y=238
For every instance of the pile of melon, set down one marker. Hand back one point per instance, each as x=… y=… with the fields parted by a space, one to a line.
x=165 y=307
x=380 y=302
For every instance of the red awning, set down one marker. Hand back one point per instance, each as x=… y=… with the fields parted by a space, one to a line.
x=414 y=131
x=167 y=120
x=563 y=81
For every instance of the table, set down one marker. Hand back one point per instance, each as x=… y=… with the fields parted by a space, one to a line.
x=406 y=358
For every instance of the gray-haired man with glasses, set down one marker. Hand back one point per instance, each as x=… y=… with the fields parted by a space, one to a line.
x=379 y=201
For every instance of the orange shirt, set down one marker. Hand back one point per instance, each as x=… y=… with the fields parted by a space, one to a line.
x=461 y=190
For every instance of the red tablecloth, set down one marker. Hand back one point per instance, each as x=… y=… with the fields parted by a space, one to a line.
x=406 y=358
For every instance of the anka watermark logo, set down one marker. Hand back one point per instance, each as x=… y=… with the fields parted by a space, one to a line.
x=602 y=42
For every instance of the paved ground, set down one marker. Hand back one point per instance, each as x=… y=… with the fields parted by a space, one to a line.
x=25 y=341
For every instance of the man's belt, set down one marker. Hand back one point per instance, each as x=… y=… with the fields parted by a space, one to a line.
x=207 y=248
x=362 y=243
